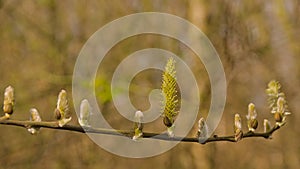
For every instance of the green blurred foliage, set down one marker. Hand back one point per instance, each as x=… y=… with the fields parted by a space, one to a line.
x=103 y=92
x=256 y=40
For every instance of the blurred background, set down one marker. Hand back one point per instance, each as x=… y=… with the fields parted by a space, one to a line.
x=257 y=41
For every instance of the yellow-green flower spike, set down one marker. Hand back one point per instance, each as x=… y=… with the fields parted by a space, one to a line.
x=282 y=106
x=62 y=113
x=34 y=116
x=138 y=125
x=280 y=111
x=238 y=133
x=273 y=88
x=169 y=92
x=85 y=110
x=273 y=92
x=277 y=102
x=251 y=117
x=9 y=101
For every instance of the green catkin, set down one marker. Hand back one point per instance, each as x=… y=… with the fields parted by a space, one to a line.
x=169 y=92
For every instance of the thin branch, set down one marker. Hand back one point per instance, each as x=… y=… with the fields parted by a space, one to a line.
x=129 y=133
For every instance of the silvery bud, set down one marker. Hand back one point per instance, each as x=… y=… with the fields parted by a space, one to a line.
x=202 y=130
x=138 y=125
x=34 y=116
x=85 y=111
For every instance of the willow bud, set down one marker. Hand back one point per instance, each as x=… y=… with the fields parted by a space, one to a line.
x=61 y=111
x=85 y=110
x=34 y=116
x=267 y=126
x=138 y=125
x=238 y=133
x=251 y=117
x=9 y=101
x=202 y=130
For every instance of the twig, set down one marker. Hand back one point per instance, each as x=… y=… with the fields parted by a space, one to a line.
x=129 y=133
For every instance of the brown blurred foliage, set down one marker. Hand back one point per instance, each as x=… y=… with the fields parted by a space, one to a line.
x=257 y=41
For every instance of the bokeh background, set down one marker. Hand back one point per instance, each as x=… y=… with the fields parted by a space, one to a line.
x=257 y=41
